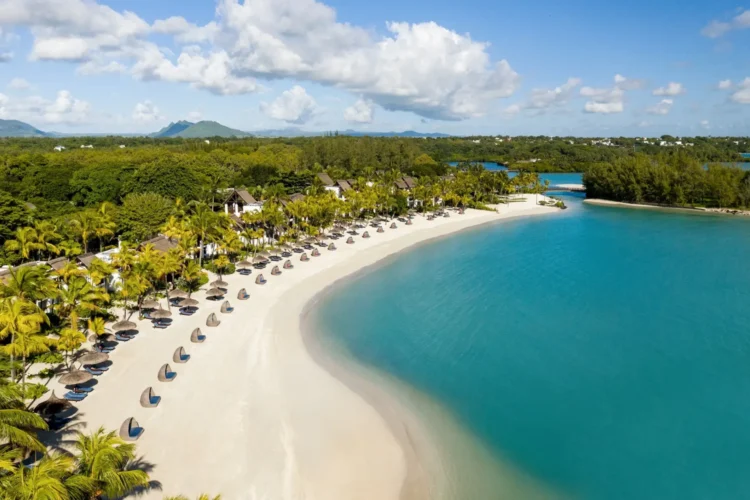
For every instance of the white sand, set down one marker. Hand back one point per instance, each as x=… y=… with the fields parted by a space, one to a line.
x=251 y=415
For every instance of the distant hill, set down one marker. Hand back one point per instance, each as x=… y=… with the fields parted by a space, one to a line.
x=190 y=130
x=173 y=129
x=15 y=128
x=408 y=133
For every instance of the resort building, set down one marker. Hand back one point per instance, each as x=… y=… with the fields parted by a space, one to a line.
x=239 y=201
x=329 y=185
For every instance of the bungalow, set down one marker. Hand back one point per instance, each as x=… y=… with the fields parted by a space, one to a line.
x=293 y=197
x=161 y=243
x=344 y=186
x=329 y=185
x=239 y=201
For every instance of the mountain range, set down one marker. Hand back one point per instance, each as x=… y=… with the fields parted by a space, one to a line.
x=202 y=129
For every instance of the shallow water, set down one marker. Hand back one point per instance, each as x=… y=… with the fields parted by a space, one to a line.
x=603 y=352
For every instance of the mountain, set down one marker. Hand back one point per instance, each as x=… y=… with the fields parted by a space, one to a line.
x=408 y=133
x=173 y=129
x=14 y=128
x=198 y=130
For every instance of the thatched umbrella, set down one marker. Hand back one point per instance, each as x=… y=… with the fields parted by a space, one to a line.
x=220 y=284
x=150 y=304
x=214 y=292
x=124 y=325
x=161 y=314
x=177 y=294
x=107 y=337
x=259 y=259
x=52 y=405
x=93 y=358
x=75 y=377
x=189 y=303
x=245 y=264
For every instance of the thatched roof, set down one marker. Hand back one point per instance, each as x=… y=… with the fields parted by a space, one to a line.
x=325 y=179
x=86 y=259
x=160 y=243
x=242 y=195
x=293 y=197
x=400 y=184
x=410 y=182
x=52 y=405
x=57 y=263
x=344 y=185
x=75 y=377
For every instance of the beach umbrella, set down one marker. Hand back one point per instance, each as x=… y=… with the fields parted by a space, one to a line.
x=177 y=294
x=123 y=326
x=220 y=284
x=189 y=302
x=75 y=377
x=161 y=314
x=93 y=358
x=52 y=405
x=150 y=304
x=244 y=264
x=214 y=292
x=259 y=259
x=107 y=337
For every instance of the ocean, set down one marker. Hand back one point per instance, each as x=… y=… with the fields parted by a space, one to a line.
x=599 y=353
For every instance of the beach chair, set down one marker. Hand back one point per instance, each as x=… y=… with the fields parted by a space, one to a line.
x=149 y=399
x=243 y=295
x=212 y=320
x=331 y=247
x=101 y=368
x=408 y=222
x=180 y=356
x=93 y=371
x=393 y=225
x=160 y=325
x=350 y=241
x=260 y=280
x=74 y=396
x=226 y=307
x=315 y=252
x=275 y=271
x=122 y=338
x=288 y=264
x=197 y=337
x=82 y=390
x=166 y=374
x=380 y=229
x=304 y=258
x=130 y=430
x=366 y=234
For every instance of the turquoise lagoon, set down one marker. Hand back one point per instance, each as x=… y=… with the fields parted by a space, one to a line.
x=602 y=352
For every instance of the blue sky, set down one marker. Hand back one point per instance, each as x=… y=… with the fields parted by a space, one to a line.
x=471 y=67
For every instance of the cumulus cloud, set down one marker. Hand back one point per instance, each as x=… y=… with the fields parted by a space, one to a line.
x=548 y=98
x=741 y=94
x=672 y=89
x=661 y=108
x=98 y=68
x=725 y=85
x=64 y=109
x=18 y=84
x=513 y=110
x=716 y=29
x=146 y=112
x=610 y=100
x=292 y=106
x=422 y=67
x=361 y=111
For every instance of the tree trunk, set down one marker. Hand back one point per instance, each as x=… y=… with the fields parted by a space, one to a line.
x=200 y=255
x=12 y=361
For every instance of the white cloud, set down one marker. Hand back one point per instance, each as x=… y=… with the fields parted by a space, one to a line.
x=610 y=100
x=423 y=67
x=195 y=116
x=512 y=110
x=547 y=98
x=18 y=84
x=716 y=29
x=361 y=111
x=65 y=109
x=742 y=93
x=672 y=89
x=98 y=68
x=6 y=57
x=725 y=84
x=146 y=112
x=661 y=108
x=292 y=106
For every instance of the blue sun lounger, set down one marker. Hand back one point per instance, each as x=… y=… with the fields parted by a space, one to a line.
x=73 y=396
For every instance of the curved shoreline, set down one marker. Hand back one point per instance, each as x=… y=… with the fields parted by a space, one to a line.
x=665 y=208
x=256 y=413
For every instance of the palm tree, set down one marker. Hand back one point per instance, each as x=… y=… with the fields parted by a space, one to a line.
x=202 y=223
x=25 y=241
x=104 y=228
x=70 y=248
x=84 y=225
x=52 y=478
x=78 y=298
x=104 y=459
x=97 y=326
x=191 y=276
x=70 y=341
x=27 y=341
x=29 y=283
x=47 y=236
x=68 y=271
x=18 y=425
x=20 y=319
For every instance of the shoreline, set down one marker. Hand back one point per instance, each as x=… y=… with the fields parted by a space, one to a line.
x=258 y=412
x=666 y=208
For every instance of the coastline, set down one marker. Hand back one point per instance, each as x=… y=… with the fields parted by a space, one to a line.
x=664 y=208
x=259 y=411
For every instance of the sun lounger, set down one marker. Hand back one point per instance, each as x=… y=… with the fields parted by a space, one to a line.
x=130 y=430
x=166 y=374
x=260 y=280
x=149 y=399
x=180 y=356
x=197 y=337
x=82 y=390
x=93 y=371
x=74 y=396
x=122 y=338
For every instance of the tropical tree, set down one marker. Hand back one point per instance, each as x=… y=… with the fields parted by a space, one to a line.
x=105 y=460
x=84 y=226
x=17 y=425
x=47 y=237
x=25 y=242
x=191 y=277
x=203 y=223
x=52 y=478
x=20 y=319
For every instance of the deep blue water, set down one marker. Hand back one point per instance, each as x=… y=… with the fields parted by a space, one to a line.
x=557 y=178
x=603 y=351
x=745 y=155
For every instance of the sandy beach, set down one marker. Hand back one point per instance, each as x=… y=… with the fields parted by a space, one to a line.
x=687 y=210
x=252 y=415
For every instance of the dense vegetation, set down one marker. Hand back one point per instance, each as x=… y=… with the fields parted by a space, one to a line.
x=675 y=180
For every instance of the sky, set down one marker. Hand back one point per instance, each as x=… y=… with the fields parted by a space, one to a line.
x=474 y=67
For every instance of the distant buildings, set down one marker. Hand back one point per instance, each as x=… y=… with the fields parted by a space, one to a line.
x=60 y=148
x=89 y=146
